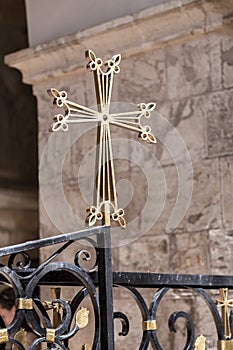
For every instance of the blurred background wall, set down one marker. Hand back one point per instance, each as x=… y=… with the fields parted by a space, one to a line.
x=18 y=135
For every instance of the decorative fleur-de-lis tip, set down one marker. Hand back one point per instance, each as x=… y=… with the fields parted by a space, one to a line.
x=119 y=217
x=145 y=133
x=53 y=92
x=59 y=96
x=59 y=120
x=146 y=108
x=113 y=63
x=93 y=215
x=94 y=62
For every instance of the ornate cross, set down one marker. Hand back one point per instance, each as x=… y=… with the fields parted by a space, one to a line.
x=106 y=206
x=224 y=303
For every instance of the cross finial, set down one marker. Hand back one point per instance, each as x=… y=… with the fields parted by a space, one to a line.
x=105 y=207
x=225 y=304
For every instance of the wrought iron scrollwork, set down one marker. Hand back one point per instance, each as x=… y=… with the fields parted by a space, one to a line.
x=73 y=316
x=85 y=255
x=62 y=332
x=124 y=321
x=149 y=318
x=190 y=327
x=24 y=261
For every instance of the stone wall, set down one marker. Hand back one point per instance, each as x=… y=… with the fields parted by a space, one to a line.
x=179 y=55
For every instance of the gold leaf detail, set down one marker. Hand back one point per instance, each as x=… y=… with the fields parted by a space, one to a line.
x=200 y=343
x=86 y=347
x=225 y=344
x=50 y=335
x=3 y=336
x=149 y=325
x=82 y=317
x=24 y=304
x=21 y=336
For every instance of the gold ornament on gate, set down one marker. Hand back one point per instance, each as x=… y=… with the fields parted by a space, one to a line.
x=86 y=347
x=200 y=343
x=82 y=317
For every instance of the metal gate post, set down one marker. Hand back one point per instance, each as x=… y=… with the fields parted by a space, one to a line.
x=105 y=284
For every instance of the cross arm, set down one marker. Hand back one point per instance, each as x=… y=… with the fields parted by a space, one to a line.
x=133 y=121
x=73 y=112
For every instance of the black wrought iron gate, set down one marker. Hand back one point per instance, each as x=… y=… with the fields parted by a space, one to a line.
x=98 y=283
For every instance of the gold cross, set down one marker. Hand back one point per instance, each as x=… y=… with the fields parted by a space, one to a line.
x=105 y=207
x=224 y=303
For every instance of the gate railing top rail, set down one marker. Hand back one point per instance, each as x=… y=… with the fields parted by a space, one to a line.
x=44 y=242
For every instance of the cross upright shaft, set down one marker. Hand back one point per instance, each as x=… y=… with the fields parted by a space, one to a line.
x=105 y=207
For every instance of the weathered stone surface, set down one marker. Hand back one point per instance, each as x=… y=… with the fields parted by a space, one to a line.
x=221 y=244
x=204 y=209
x=219 y=123
x=152 y=258
x=170 y=174
x=226 y=164
x=214 y=51
x=189 y=253
x=188 y=69
x=187 y=119
x=144 y=78
x=227 y=59
x=151 y=28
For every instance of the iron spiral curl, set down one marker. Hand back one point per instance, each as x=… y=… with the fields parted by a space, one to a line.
x=85 y=255
x=24 y=263
x=124 y=322
x=189 y=325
